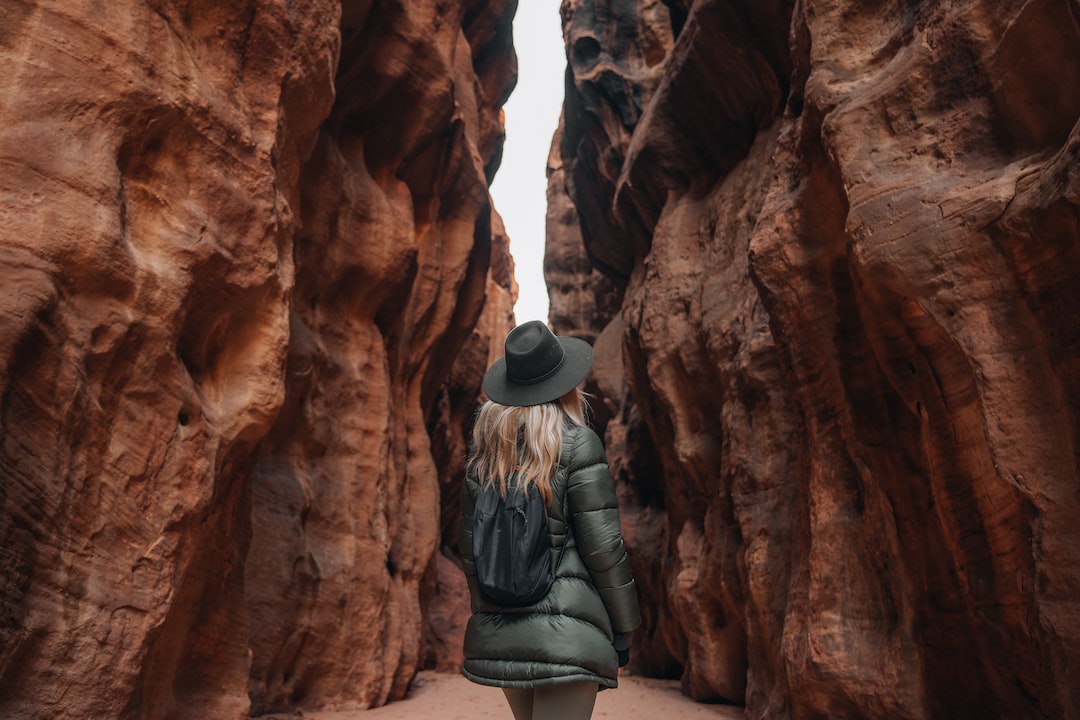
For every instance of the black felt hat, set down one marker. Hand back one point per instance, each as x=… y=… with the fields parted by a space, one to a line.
x=538 y=367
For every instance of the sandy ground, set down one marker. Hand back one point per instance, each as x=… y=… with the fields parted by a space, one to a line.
x=451 y=697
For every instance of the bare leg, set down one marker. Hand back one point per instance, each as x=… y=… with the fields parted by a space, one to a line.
x=521 y=702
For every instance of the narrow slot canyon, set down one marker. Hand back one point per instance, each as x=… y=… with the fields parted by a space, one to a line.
x=827 y=253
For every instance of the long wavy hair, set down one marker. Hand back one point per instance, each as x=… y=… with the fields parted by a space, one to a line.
x=527 y=440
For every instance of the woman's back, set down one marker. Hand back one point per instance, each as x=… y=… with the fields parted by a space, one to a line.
x=551 y=656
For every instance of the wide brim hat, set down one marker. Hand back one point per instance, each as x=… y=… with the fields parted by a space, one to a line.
x=537 y=367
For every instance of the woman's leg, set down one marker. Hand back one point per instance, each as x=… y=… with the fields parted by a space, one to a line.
x=572 y=701
x=521 y=702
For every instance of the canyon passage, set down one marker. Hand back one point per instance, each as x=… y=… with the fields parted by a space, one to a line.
x=827 y=252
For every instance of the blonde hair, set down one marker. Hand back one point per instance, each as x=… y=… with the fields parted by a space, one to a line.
x=524 y=439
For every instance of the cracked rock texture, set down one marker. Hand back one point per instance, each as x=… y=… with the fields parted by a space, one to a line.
x=248 y=263
x=829 y=252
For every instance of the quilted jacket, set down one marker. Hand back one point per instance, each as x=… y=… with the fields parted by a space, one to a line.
x=567 y=636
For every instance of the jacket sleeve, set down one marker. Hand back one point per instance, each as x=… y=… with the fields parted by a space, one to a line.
x=468 y=505
x=594 y=517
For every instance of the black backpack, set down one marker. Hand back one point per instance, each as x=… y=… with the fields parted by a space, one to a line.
x=511 y=544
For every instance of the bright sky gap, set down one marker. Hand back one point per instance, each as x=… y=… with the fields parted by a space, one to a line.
x=532 y=116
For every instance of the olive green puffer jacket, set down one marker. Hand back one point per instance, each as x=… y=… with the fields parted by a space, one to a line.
x=567 y=636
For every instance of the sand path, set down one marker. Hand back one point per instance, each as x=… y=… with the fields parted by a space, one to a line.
x=440 y=696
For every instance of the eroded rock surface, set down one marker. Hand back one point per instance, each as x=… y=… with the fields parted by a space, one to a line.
x=243 y=245
x=839 y=383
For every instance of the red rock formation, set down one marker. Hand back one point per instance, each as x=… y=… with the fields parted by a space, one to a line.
x=845 y=239
x=243 y=244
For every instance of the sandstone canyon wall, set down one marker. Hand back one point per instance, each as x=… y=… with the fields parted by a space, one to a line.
x=829 y=252
x=242 y=245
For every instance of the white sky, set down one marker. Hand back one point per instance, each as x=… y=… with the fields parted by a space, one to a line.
x=532 y=115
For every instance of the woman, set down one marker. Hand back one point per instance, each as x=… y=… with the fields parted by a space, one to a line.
x=550 y=658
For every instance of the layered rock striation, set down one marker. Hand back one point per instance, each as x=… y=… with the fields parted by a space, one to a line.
x=249 y=261
x=829 y=253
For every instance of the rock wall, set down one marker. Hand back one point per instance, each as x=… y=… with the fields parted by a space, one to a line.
x=242 y=245
x=830 y=253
